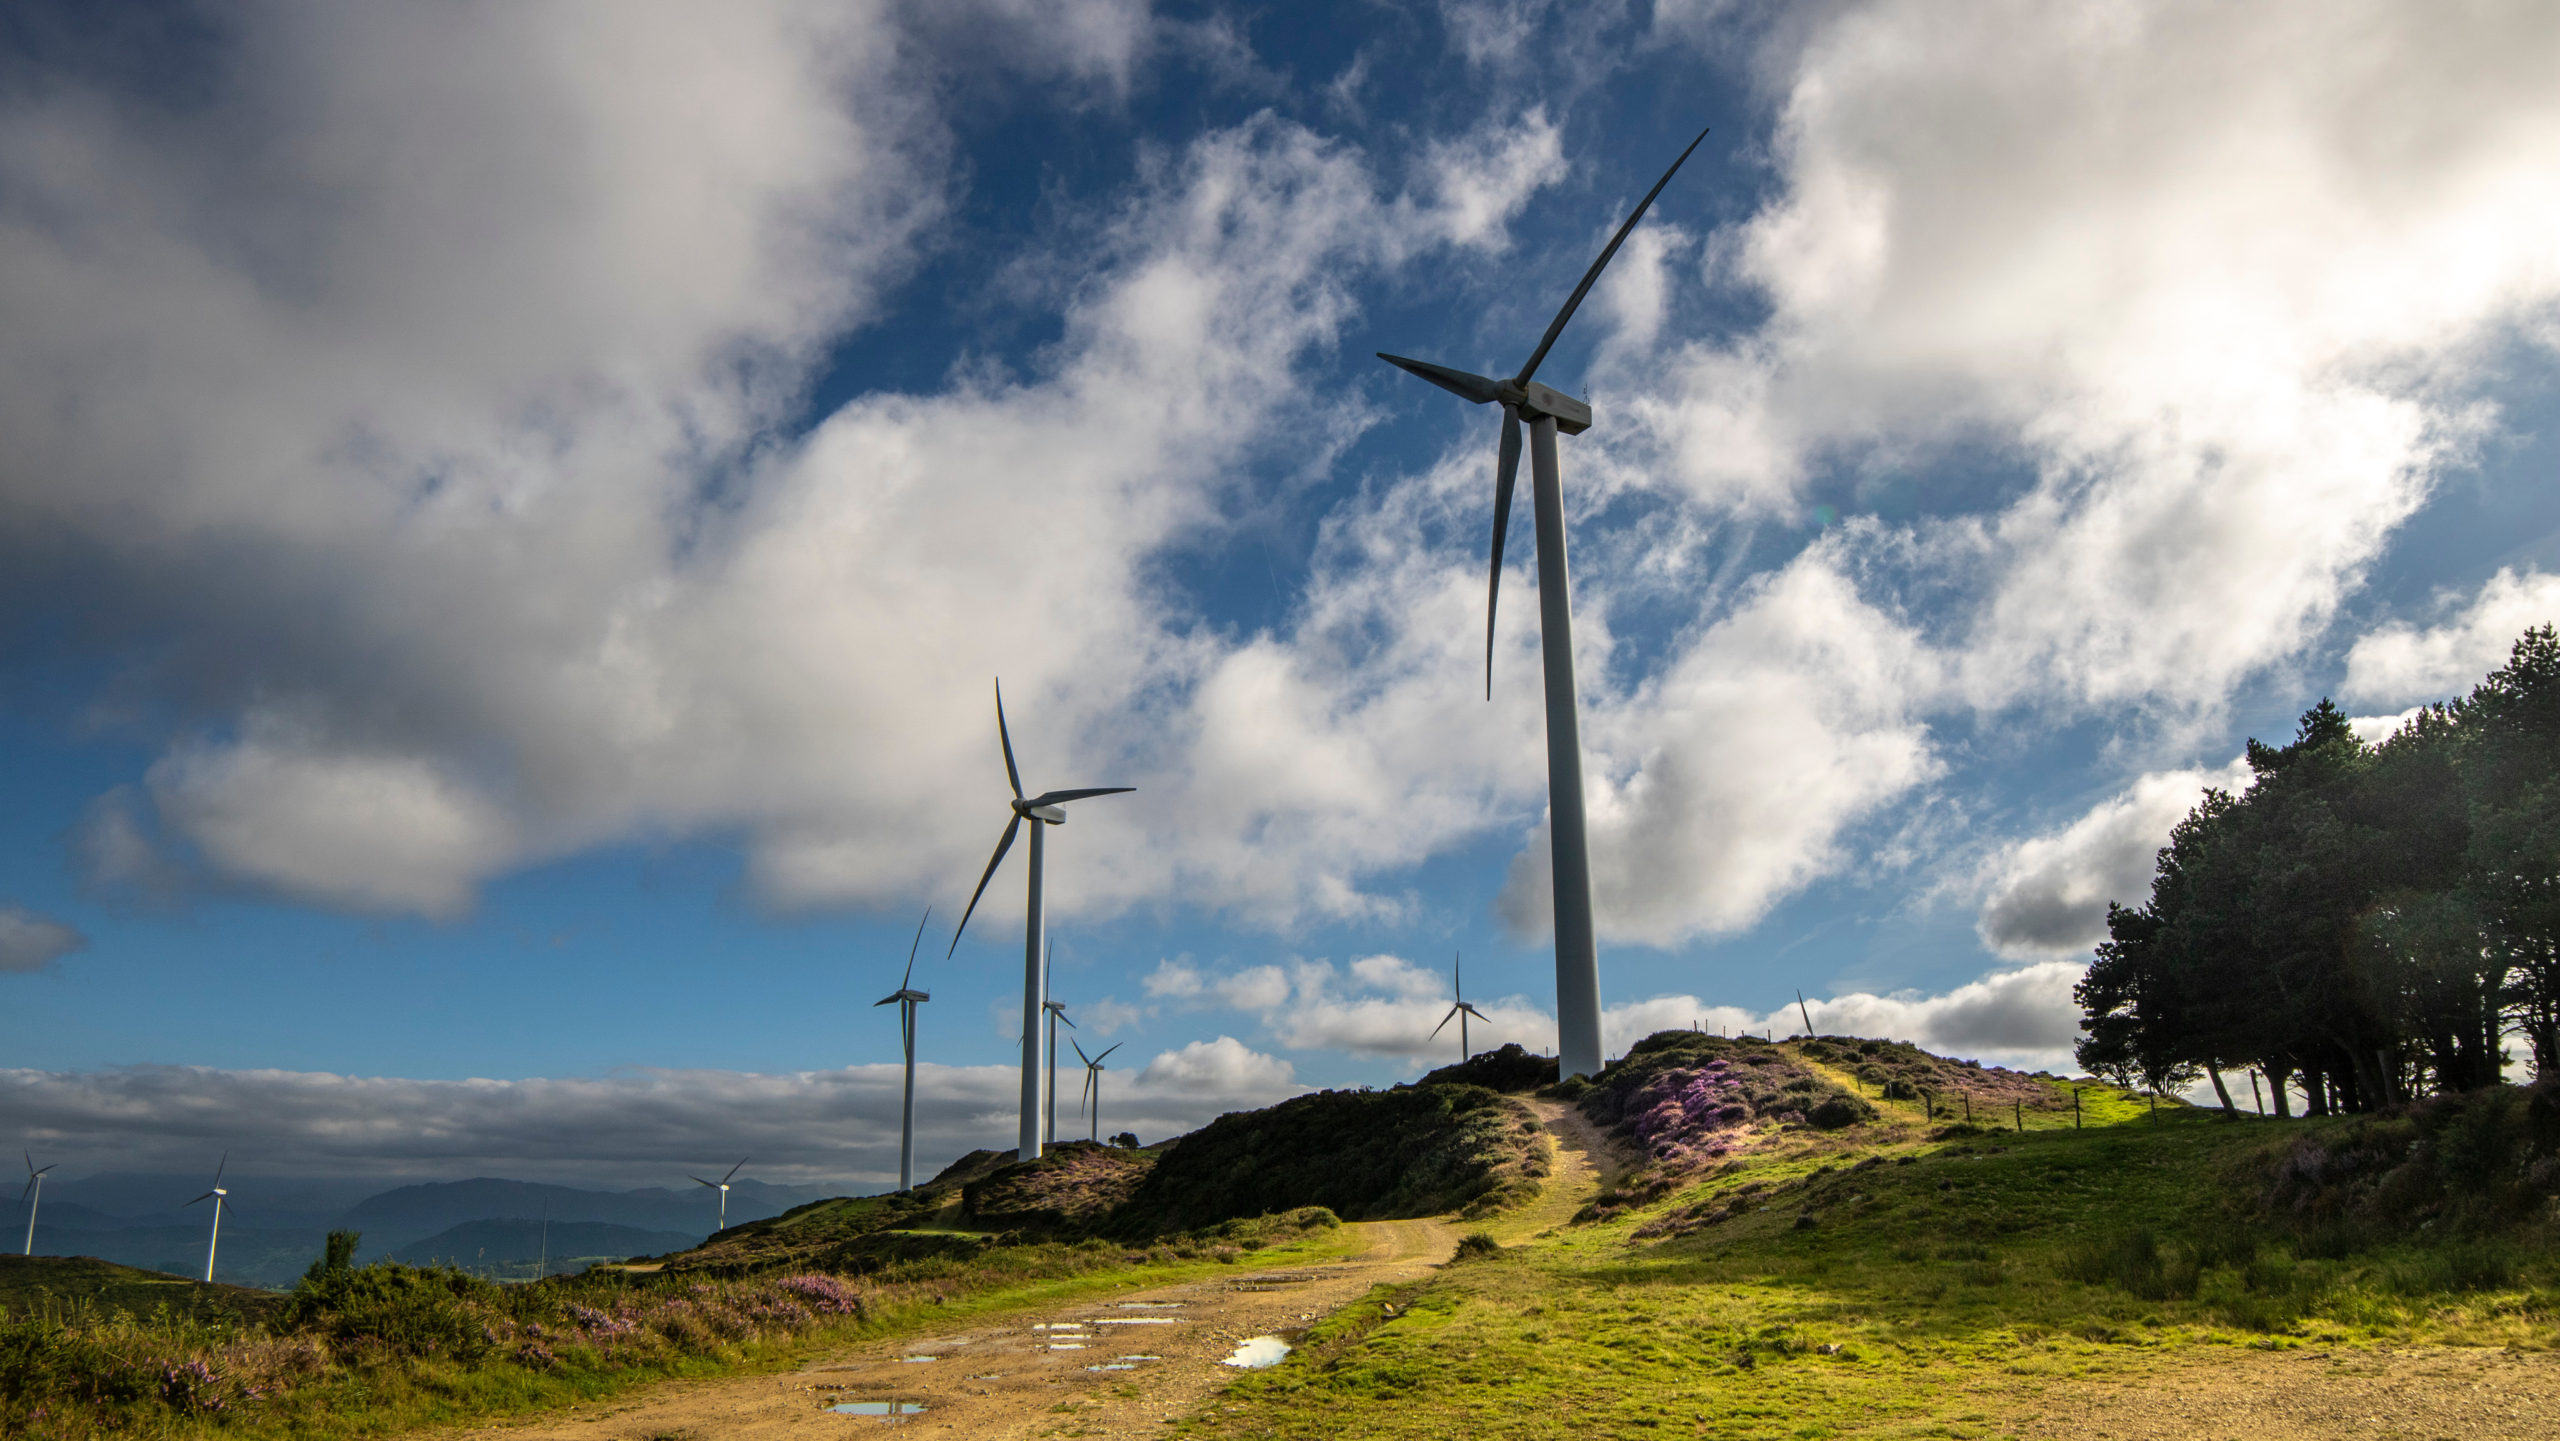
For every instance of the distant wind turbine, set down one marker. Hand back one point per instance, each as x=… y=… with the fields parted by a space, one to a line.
x=221 y=1200
x=908 y=998
x=1093 y=1083
x=33 y=1195
x=721 y=1186
x=1460 y=1011
x=1042 y=811
x=1548 y=411
x=1057 y=1012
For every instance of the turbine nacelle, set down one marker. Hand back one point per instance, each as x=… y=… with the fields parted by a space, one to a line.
x=908 y=994
x=1034 y=810
x=1531 y=398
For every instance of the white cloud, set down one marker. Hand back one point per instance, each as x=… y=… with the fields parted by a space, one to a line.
x=2401 y=663
x=31 y=940
x=1761 y=742
x=2049 y=893
x=1225 y=1067
x=2219 y=277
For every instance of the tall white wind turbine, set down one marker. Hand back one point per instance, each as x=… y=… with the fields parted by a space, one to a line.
x=908 y=998
x=721 y=1186
x=1093 y=1084
x=33 y=1196
x=1042 y=811
x=1057 y=1012
x=221 y=1200
x=1548 y=411
x=1460 y=1011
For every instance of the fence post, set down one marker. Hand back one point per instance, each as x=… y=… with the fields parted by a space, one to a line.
x=2075 y=1108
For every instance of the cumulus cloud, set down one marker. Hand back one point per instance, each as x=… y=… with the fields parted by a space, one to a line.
x=2111 y=248
x=1381 y=1006
x=630 y=1127
x=2400 y=662
x=2049 y=893
x=31 y=940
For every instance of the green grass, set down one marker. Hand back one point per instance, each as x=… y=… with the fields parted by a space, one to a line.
x=1930 y=1286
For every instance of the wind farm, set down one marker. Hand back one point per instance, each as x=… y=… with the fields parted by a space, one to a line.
x=505 y=518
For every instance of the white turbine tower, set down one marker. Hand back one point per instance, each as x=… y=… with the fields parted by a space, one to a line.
x=1548 y=411
x=1057 y=1012
x=33 y=1196
x=1093 y=1084
x=221 y=1200
x=907 y=999
x=1042 y=811
x=721 y=1186
x=1460 y=1011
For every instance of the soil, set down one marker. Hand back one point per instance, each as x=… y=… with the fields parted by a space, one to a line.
x=2426 y=1393
x=1025 y=1374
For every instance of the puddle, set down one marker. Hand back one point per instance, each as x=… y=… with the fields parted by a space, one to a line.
x=1066 y=1345
x=1125 y=1363
x=912 y=1360
x=1151 y=1305
x=891 y=1409
x=1258 y=1352
x=1139 y=1321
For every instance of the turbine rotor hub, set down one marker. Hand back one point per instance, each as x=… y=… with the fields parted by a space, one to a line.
x=1537 y=398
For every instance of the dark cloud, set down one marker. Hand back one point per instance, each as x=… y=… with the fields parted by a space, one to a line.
x=31 y=942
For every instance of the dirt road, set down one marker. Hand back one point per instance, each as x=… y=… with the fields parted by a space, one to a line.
x=2420 y=1393
x=1120 y=1365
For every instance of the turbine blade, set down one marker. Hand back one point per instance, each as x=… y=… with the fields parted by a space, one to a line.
x=1003 y=843
x=1574 y=302
x=1059 y=798
x=217 y=1169
x=1445 y=1020
x=1472 y=1011
x=1506 y=474
x=1462 y=384
x=1080 y=1055
x=1006 y=736
x=207 y=1196
x=733 y=1170
x=885 y=1001
x=697 y=1180
x=911 y=952
x=1115 y=1045
x=1062 y=1015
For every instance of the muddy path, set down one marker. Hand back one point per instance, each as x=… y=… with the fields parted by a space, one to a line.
x=2416 y=1393
x=1121 y=1364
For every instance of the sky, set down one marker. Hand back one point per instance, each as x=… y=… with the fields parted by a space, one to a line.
x=513 y=515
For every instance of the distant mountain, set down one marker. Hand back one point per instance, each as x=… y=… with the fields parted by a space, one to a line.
x=250 y=1255
x=160 y=1197
x=397 y=1219
x=516 y=1249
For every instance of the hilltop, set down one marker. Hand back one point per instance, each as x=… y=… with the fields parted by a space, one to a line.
x=39 y=1285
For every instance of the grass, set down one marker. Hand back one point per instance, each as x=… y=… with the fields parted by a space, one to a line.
x=1900 y=1279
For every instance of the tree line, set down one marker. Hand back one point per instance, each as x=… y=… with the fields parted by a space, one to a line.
x=2368 y=922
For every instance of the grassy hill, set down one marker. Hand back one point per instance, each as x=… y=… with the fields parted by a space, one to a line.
x=513 y=1248
x=63 y=1285
x=1910 y=1274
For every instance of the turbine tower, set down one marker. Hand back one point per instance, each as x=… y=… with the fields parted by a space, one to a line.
x=33 y=1196
x=1546 y=412
x=1460 y=1011
x=907 y=998
x=721 y=1186
x=1093 y=1083
x=1057 y=1012
x=221 y=1200
x=1042 y=811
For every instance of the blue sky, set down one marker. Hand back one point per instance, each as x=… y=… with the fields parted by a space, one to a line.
x=512 y=518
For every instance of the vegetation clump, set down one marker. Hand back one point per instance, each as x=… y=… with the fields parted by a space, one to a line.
x=1076 y=1186
x=1509 y=1068
x=1409 y=1151
x=2366 y=921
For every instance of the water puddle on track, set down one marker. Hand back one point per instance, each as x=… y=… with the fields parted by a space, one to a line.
x=1258 y=1352
x=886 y=1410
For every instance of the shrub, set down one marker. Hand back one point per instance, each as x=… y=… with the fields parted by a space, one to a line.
x=1476 y=1246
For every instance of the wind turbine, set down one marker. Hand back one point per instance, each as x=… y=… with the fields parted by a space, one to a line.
x=1460 y=1011
x=1093 y=1083
x=1042 y=811
x=33 y=1195
x=721 y=1186
x=221 y=1200
x=908 y=998
x=1057 y=1012
x=1548 y=411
